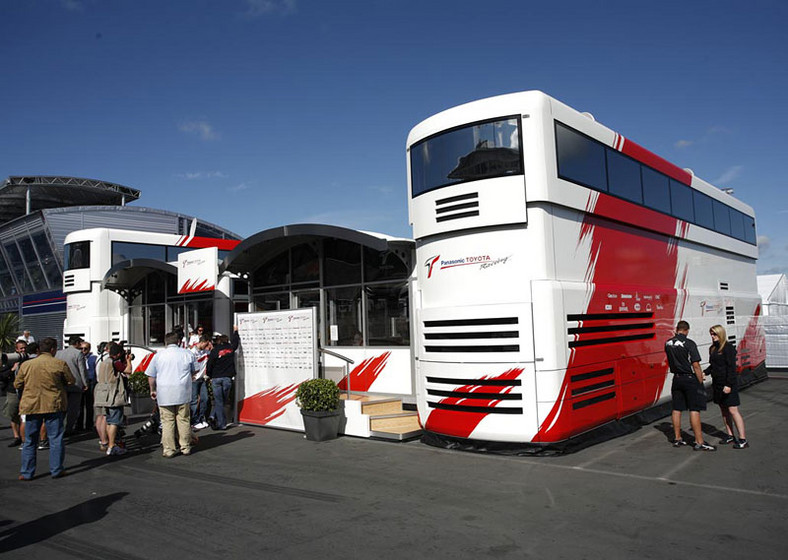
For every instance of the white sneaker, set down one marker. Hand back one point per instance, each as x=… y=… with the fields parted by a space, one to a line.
x=201 y=426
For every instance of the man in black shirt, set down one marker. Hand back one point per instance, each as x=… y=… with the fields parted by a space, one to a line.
x=687 y=390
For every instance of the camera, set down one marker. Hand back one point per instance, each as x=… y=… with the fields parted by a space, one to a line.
x=12 y=357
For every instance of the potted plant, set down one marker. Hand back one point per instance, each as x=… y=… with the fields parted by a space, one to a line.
x=139 y=390
x=320 y=408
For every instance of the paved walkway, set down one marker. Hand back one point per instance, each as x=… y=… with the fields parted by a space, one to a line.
x=261 y=493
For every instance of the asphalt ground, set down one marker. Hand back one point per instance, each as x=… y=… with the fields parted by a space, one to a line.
x=264 y=493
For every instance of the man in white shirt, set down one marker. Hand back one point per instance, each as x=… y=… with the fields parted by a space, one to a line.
x=170 y=378
x=26 y=336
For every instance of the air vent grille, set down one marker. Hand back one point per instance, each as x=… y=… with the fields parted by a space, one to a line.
x=478 y=335
x=457 y=207
x=730 y=315
x=486 y=396
x=596 y=329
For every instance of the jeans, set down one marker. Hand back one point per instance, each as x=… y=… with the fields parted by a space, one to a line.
x=57 y=452
x=199 y=404
x=221 y=394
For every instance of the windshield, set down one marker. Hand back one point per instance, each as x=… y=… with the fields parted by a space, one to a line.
x=477 y=151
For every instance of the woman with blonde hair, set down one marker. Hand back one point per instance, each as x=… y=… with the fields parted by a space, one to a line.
x=725 y=386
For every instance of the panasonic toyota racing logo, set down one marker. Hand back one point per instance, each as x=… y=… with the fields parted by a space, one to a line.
x=482 y=261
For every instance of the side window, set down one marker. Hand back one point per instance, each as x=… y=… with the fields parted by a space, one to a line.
x=722 y=218
x=681 y=201
x=749 y=230
x=737 y=224
x=656 y=190
x=77 y=255
x=580 y=159
x=704 y=215
x=623 y=177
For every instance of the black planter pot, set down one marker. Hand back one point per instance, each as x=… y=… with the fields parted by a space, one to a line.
x=141 y=404
x=322 y=425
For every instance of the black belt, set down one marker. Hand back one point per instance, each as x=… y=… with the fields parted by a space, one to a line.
x=685 y=374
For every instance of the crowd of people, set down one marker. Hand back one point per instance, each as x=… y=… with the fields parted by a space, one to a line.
x=54 y=394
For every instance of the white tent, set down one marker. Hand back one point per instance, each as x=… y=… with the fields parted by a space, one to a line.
x=773 y=289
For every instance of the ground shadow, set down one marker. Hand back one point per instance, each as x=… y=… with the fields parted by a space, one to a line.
x=48 y=526
x=213 y=439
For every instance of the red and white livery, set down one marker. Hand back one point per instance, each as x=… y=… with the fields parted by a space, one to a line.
x=555 y=258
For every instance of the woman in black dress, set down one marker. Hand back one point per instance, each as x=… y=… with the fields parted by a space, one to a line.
x=725 y=387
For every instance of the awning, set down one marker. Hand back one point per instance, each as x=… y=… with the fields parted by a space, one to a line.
x=258 y=249
x=125 y=276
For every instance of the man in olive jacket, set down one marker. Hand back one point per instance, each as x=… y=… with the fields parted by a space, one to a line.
x=43 y=381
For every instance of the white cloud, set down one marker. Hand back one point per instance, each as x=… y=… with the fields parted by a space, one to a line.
x=382 y=189
x=683 y=144
x=729 y=175
x=763 y=243
x=257 y=8
x=73 y=5
x=238 y=187
x=203 y=129
x=202 y=175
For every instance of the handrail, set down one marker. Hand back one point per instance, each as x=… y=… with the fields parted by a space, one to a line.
x=336 y=355
x=343 y=358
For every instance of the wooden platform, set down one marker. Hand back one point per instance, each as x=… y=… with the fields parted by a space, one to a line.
x=379 y=417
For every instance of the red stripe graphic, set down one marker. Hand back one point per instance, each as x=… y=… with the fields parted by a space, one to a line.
x=267 y=405
x=191 y=286
x=651 y=159
x=641 y=269
x=203 y=242
x=461 y=423
x=752 y=348
x=145 y=362
x=364 y=375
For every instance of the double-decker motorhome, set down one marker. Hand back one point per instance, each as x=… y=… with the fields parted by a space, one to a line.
x=555 y=258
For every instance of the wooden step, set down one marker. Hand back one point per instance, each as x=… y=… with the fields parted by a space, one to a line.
x=398 y=427
x=381 y=406
x=394 y=422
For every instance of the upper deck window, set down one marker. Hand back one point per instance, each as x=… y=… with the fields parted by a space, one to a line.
x=77 y=255
x=478 y=151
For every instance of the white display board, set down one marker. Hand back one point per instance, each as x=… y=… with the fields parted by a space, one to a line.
x=278 y=351
x=197 y=270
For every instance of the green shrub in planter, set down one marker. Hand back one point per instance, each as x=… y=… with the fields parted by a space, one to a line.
x=138 y=384
x=318 y=395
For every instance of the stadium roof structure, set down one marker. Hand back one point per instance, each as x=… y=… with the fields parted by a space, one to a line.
x=26 y=194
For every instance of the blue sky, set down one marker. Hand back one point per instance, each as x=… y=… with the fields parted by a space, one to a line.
x=257 y=113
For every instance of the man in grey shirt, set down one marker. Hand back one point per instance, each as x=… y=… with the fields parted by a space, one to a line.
x=72 y=355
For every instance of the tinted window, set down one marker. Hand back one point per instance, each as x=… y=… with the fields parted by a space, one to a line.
x=6 y=283
x=478 y=151
x=387 y=315
x=383 y=265
x=704 y=215
x=17 y=267
x=122 y=251
x=681 y=201
x=737 y=224
x=306 y=263
x=722 y=218
x=275 y=272
x=48 y=262
x=77 y=255
x=656 y=190
x=749 y=229
x=580 y=159
x=31 y=262
x=623 y=177
x=342 y=262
